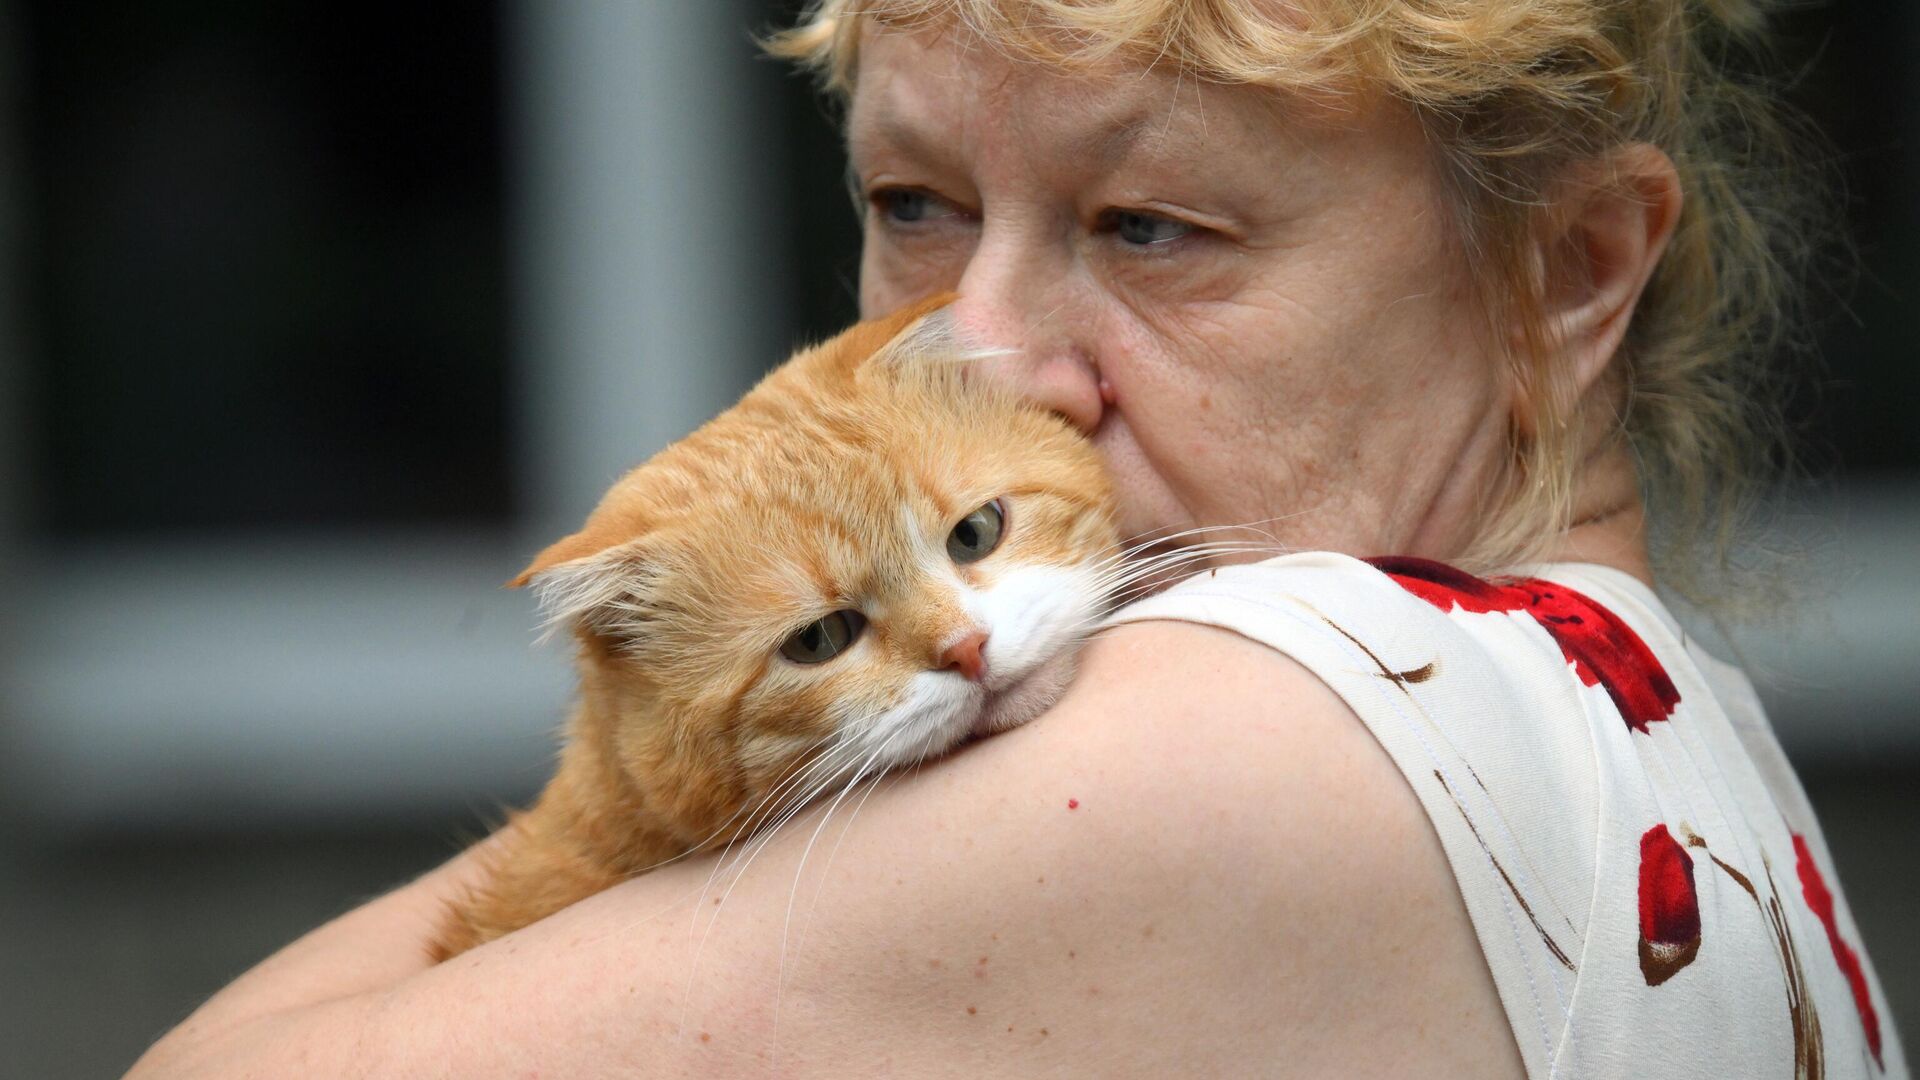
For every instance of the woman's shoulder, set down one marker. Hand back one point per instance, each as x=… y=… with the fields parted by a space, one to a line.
x=1612 y=807
x=1311 y=879
x=1478 y=742
x=1199 y=847
x=1198 y=863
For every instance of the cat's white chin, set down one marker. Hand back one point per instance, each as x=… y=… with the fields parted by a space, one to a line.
x=1032 y=694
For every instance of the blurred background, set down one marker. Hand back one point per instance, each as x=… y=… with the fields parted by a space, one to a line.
x=318 y=319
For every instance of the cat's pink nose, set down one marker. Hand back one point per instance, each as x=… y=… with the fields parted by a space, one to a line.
x=967 y=656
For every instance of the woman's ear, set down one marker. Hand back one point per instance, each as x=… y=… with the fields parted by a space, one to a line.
x=1610 y=224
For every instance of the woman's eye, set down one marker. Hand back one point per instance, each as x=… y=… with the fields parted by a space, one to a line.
x=907 y=205
x=1136 y=227
x=977 y=534
x=824 y=639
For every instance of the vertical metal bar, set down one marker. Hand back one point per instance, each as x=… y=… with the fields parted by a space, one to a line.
x=647 y=249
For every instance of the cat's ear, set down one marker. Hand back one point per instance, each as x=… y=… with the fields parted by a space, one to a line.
x=581 y=545
x=591 y=581
x=926 y=336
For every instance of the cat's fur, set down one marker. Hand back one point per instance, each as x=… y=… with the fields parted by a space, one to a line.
x=834 y=484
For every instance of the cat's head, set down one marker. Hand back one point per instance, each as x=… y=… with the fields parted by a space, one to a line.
x=861 y=564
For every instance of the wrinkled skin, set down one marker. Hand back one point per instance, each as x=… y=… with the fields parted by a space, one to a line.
x=1285 y=332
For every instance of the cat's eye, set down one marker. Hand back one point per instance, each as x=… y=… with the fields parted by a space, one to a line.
x=977 y=534
x=824 y=639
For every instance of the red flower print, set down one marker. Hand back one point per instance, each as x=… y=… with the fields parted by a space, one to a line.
x=1669 y=908
x=1602 y=649
x=1820 y=899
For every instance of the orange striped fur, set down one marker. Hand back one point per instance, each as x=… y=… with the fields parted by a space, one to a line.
x=832 y=485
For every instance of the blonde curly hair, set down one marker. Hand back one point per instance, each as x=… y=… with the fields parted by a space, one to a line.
x=1513 y=94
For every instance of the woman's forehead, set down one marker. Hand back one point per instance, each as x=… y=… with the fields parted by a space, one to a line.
x=912 y=82
x=935 y=95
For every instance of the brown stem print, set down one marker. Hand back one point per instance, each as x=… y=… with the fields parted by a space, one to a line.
x=1405 y=680
x=1809 y=1049
x=1552 y=945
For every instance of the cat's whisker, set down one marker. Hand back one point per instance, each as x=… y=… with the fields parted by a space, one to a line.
x=894 y=775
x=800 y=869
x=794 y=780
x=705 y=844
x=874 y=784
x=1209 y=549
x=768 y=805
x=968 y=356
x=891 y=776
x=818 y=777
x=1042 y=321
x=1150 y=537
x=1142 y=554
x=780 y=805
x=1121 y=580
x=830 y=770
x=1211 y=533
x=823 y=770
x=814 y=778
x=1138 y=556
x=1117 y=572
x=1145 y=564
x=1223 y=539
x=858 y=774
x=1187 y=552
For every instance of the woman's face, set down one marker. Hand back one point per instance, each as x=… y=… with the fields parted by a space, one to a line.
x=1248 y=302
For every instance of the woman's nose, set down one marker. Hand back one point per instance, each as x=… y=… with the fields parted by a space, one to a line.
x=1043 y=328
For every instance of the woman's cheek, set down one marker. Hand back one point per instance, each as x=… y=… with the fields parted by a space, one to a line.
x=1201 y=272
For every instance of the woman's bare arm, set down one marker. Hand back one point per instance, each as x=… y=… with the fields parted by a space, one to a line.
x=1198 y=860
x=328 y=977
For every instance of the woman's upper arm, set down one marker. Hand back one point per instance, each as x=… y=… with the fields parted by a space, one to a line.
x=1198 y=860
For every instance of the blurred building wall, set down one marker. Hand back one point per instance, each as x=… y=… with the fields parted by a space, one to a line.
x=351 y=670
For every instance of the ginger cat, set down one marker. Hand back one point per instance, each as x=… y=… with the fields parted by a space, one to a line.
x=863 y=563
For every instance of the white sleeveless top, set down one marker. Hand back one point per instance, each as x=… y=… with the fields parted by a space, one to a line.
x=1644 y=873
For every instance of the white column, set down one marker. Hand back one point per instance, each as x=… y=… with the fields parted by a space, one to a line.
x=647 y=234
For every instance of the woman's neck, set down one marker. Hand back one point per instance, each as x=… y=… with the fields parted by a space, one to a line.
x=1609 y=517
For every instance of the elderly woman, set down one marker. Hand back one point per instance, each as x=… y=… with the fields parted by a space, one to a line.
x=1455 y=283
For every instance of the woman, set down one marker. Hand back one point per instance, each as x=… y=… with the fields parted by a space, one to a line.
x=1442 y=282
